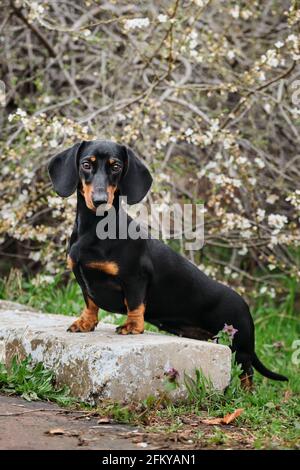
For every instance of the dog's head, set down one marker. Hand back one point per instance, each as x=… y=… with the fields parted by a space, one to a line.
x=100 y=169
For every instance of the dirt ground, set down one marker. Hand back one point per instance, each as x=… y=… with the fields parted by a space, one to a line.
x=45 y=426
x=40 y=425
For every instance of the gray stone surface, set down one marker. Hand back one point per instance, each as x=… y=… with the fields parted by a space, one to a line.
x=103 y=364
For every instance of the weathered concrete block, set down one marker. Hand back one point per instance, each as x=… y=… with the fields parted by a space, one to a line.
x=103 y=364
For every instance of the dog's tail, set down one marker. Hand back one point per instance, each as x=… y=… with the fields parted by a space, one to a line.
x=266 y=372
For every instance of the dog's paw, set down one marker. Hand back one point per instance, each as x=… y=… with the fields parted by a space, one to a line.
x=82 y=326
x=130 y=328
x=247 y=382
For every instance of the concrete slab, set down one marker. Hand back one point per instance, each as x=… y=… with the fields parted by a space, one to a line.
x=103 y=364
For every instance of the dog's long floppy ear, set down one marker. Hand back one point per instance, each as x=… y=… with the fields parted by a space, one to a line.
x=63 y=170
x=136 y=180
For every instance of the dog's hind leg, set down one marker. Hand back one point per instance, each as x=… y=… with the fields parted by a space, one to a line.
x=246 y=377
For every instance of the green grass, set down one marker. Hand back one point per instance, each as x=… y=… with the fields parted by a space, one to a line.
x=51 y=297
x=271 y=417
x=32 y=382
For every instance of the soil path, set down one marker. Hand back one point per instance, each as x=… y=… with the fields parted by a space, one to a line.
x=36 y=425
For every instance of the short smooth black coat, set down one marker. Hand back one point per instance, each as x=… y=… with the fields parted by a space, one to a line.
x=178 y=297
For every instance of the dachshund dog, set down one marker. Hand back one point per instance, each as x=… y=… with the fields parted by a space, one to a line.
x=140 y=277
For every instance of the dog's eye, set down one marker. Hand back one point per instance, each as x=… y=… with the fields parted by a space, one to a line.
x=116 y=167
x=86 y=166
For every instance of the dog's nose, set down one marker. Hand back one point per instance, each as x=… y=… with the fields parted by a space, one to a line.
x=100 y=198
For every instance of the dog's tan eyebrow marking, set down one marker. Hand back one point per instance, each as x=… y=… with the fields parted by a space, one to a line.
x=111 y=161
x=92 y=158
x=109 y=267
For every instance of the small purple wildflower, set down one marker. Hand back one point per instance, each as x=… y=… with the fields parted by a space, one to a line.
x=226 y=335
x=172 y=374
x=230 y=330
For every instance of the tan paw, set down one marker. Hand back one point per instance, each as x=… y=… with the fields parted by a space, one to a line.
x=247 y=382
x=82 y=325
x=130 y=328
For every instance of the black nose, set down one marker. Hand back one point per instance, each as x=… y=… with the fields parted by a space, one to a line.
x=100 y=198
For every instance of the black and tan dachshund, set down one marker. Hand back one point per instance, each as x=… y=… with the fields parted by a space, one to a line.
x=141 y=277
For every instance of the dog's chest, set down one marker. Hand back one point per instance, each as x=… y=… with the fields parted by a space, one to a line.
x=104 y=288
x=98 y=273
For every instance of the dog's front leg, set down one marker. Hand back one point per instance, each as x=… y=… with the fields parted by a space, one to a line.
x=88 y=320
x=135 y=304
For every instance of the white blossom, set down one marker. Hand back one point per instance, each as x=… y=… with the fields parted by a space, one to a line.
x=271 y=58
x=292 y=38
x=246 y=234
x=267 y=108
x=246 y=14
x=162 y=18
x=53 y=143
x=235 y=11
x=279 y=44
x=243 y=251
x=277 y=221
x=260 y=163
x=227 y=142
x=35 y=255
x=189 y=132
x=294 y=199
x=136 y=23
x=272 y=293
x=36 y=10
x=241 y=160
x=215 y=124
x=231 y=54
x=272 y=198
x=87 y=33
x=252 y=181
x=227 y=271
x=260 y=214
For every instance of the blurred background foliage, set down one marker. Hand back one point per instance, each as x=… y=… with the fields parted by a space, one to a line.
x=204 y=91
